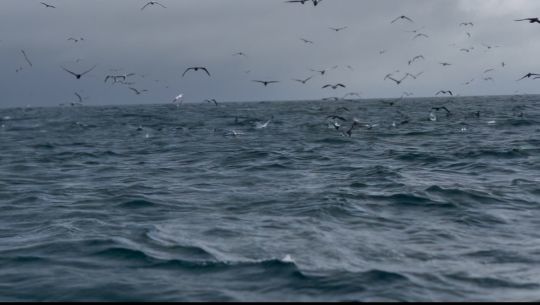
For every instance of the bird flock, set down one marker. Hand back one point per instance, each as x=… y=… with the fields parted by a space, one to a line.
x=397 y=77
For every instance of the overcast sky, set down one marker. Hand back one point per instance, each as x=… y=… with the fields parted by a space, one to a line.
x=158 y=44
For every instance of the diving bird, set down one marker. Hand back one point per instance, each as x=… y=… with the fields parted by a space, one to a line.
x=265 y=83
x=303 y=81
x=48 y=5
x=78 y=76
x=531 y=20
x=402 y=17
x=444 y=92
x=333 y=86
x=528 y=75
x=152 y=3
x=196 y=69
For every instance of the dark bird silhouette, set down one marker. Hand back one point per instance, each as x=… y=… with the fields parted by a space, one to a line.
x=442 y=108
x=444 y=92
x=415 y=58
x=78 y=76
x=338 y=29
x=466 y=24
x=465 y=50
x=75 y=39
x=306 y=41
x=265 y=83
x=152 y=3
x=488 y=70
x=196 y=69
x=79 y=97
x=303 y=81
x=48 y=5
x=354 y=124
x=315 y=2
x=297 y=1
x=212 y=101
x=240 y=54
x=333 y=86
x=402 y=17
x=420 y=35
x=320 y=71
x=137 y=91
x=26 y=58
x=445 y=64
x=528 y=75
x=531 y=20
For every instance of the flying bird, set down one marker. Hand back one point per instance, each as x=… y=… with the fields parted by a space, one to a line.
x=444 y=92
x=79 y=97
x=297 y=1
x=528 y=75
x=303 y=81
x=531 y=20
x=306 y=41
x=137 y=91
x=152 y=3
x=445 y=64
x=78 y=76
x=338 y=29
x=315 y=2
x=333 y=86
x=178 y=98
x=488 y=70
x=415 y=58
x=240 y=54
x=48 y=5
x=265 y=83
x=212 y=101
x=26 y=58
x=402 y=17
x=420 y=35
x=442 y=108
x=466 y=24
x=196 y=69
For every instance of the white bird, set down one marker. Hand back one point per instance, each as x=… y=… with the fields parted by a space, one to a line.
x=178 y=99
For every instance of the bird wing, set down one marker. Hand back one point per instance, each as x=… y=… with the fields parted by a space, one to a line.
x=147 y=4
x=160 y=4
x=134 y=90
x=395 y=20
x=88 y=70
x=75 y=74
x=78 y=96
x=186 y=71
x=340 y=85
x=205 y=70
x=405 y=17
x=326 y=86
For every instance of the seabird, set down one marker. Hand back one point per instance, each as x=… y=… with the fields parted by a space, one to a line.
x=303 y=81
x=415 y=58
x=354 y=124
x=78 y=76
x=152 y=3
x=338 y=29
x=420 y=35
x=212 y=101
x=48 y=5
x=444 y=92
x=402 y=17
x=306 y=41
x=528 y=75
x=315 y=2
x=531 y=20
x=297 y=1
x=334 y=86
x=336 y=117
x=137 y=91
x=26 y=57
x=196 y=69
x=240 y=54
x=442 y=108
x=445 y=64
x=466 y=24
x=265 y=83
x=178 y=98
x=79 y=97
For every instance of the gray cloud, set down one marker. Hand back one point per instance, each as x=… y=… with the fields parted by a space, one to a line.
x=161 y=43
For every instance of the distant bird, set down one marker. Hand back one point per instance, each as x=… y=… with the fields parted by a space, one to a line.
x=444 y=92
x=466 y=24
x=196 y=69
x=528 y=75
x=415 y=58
x=333 y=98
x=381 y=52
x=79 y=97
x=240 y=54
x=531 y=20
x=420 y=35
x=137 y=91
x=265 y=83
x=334 y=86
x=503 y=64
x=488 y=70
x=26 y=58
x=488 y=46
x=338 y=29
x=442 y=108
x=320 y=71
x=445 y=64
x=468 y=34
x=298 y=1
x=75 y=39
x=352 y=94
x=407 y=94
x=48 y=5
x=152 y=3
x=488 y=78
x=468 y=82
x=303 y=81
x=178 y=98
x=212 y=101
x=465 y=50
x=78 y=76
x=306 y=41
x=315 y=2
x=402 y=17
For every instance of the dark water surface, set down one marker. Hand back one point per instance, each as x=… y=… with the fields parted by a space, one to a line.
x=96 y=208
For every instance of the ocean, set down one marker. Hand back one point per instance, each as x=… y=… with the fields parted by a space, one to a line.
x=208 y=203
